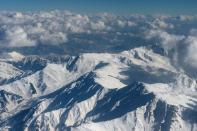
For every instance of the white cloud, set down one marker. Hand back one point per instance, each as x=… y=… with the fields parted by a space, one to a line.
x=168 y=41
x=100 y=25
x=186 y=18
x=162 y=24
x=53 y=38
x=193 y=32
x=191 y=56
x=131 y=23
x=17 y=37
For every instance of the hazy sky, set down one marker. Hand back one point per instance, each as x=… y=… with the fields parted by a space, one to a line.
x=114 y=6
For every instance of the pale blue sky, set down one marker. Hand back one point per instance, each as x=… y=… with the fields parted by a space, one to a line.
x=114 y=6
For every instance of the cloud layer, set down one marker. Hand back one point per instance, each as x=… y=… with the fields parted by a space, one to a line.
x=71 y=32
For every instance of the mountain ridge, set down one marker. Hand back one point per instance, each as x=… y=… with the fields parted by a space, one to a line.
x=133 y=90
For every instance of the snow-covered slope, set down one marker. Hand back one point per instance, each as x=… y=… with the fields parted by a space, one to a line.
x=134 y=90
x=8 y=71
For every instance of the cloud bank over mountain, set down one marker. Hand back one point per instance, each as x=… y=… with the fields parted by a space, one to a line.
x=66 y=32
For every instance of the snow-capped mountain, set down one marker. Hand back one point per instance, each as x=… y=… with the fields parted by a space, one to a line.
x=138 y=90
x=63 y=71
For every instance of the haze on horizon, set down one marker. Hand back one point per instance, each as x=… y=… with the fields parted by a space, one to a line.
x=170 y=7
